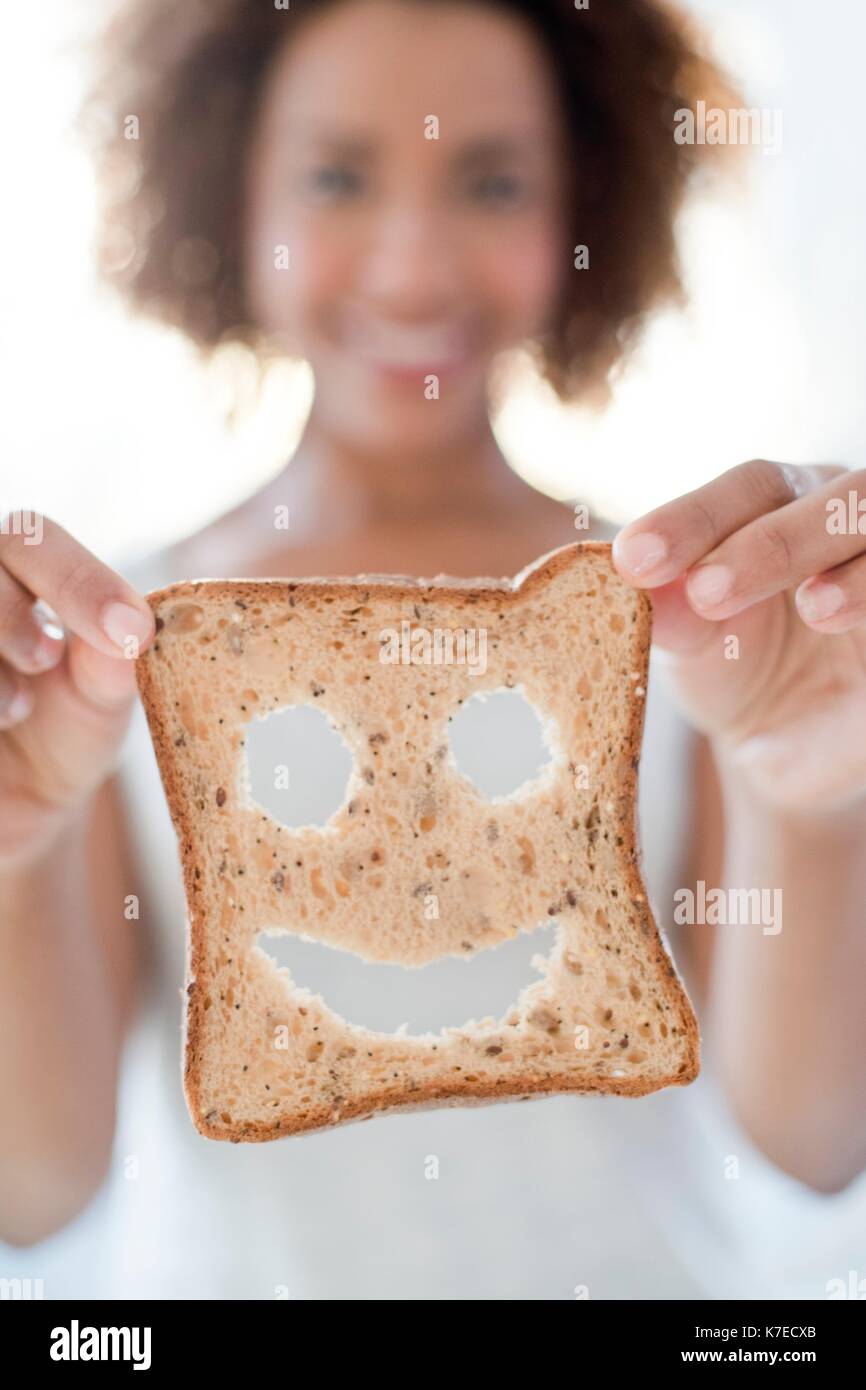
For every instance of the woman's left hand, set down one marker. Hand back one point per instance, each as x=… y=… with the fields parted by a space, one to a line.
x=759 y=596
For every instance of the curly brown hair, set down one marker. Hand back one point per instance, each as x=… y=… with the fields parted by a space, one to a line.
x=191 y=72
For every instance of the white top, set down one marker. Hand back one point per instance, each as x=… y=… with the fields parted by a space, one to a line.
x=660 y=1197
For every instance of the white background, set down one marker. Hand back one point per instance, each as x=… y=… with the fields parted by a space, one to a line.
x=108 y=425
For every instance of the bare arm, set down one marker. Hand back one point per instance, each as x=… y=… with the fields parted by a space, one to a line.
x=69 y=964
x=786 y=1011
x=760 y=610
x=67 y=953
x=781 y=1012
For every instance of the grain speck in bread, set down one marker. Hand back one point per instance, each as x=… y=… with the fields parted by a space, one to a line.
x=263 y=1057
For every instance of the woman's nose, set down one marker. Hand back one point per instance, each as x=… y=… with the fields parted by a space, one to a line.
x=411 y=262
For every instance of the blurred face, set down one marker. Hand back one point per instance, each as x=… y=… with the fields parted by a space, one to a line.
x=404 y=211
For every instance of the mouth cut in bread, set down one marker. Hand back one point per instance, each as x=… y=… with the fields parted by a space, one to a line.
x=390 y=660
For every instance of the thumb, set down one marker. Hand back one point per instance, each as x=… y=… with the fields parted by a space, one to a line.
x=103 y=681
x=677 y=628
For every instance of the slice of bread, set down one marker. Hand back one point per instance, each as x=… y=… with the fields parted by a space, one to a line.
x=263 y=1056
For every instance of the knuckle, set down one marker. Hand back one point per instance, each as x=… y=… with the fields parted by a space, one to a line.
x=774 y=548
x=702 y=522
x=770 y=484
x=78 y=582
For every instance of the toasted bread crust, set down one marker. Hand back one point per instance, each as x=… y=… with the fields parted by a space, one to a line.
x=466 y=593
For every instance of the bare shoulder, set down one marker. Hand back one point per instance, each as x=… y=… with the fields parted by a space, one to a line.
x=221 y=547
x=249 y=542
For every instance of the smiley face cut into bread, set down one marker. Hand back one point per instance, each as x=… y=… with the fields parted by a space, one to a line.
x=390 y=659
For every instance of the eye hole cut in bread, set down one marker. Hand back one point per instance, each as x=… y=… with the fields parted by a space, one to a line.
x=416 y=864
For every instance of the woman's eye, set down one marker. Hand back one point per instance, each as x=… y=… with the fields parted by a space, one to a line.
x=497 y=190
x=334 y=181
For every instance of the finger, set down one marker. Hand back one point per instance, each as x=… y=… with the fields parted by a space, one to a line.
x=103 y=681
x=834 y=601
x=659 y=547
x=88 y=597
x=677 y=628
x=776 y=552
x=16 y=697
x=26 y=641
x=80 y=714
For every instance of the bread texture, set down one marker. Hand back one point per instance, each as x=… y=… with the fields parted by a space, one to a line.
x=416 y=863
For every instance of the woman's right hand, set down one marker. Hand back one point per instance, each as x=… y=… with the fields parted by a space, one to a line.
x=65 y=699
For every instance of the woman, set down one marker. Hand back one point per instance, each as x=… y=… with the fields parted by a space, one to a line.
x=358 y=183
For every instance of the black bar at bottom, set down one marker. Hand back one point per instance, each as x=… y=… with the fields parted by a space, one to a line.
x=281 y=1336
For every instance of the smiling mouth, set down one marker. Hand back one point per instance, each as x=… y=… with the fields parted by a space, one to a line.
x=443 y=993
x=403 y=349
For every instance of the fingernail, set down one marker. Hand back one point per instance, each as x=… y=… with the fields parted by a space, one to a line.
x=642 y=552
x=710 y=584
x=46 y=651
x=19 y=706
x=120 y=622
x=47 y=619
x=820 y=601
